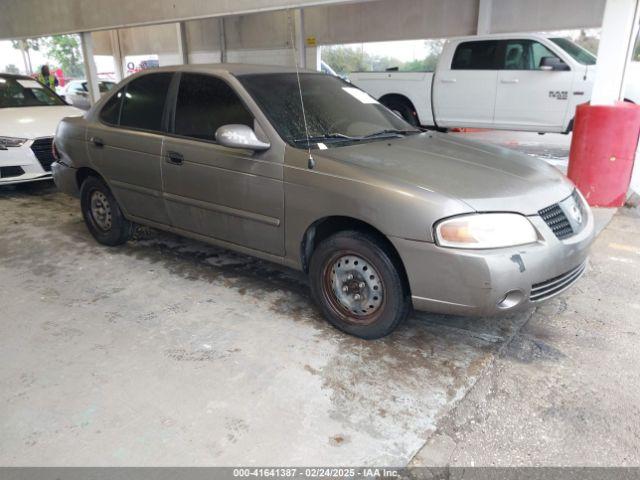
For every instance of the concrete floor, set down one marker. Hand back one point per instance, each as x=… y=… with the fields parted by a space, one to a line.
x=167 y=351
x=565 y=390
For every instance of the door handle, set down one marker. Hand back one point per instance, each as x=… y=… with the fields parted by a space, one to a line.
x=509 y=80
x=175 y=158
x=448 y=80
x=97 y=142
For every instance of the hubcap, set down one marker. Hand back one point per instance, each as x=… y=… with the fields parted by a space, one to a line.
x=101 y=210
x=355 y=286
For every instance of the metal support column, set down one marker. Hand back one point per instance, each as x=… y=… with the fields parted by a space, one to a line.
x=183 y=47
x=222 y=40
x=300 y=38
x=619 y=31
x=116 y=51
x=485 y=8
x=90 y=67
x=25 y=57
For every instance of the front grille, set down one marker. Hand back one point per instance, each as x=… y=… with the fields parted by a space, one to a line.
x=7 y=172
x=43 y=151
x=556 y=219
x=553 y=286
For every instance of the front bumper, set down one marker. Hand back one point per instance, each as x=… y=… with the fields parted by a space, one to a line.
x=20 y=164
x=487 y=282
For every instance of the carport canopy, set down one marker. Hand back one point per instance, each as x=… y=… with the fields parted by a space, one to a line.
x=335 y=21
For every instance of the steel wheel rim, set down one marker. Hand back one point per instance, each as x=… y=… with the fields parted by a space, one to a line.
x=354 y=288
x=100 y=210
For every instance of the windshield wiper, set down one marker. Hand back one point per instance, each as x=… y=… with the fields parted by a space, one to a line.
x=389 y=132
x=325 y=136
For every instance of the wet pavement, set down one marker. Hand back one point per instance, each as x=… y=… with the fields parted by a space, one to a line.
x=167 y=351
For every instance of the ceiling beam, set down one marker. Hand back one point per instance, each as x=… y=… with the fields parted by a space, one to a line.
x=35 y=18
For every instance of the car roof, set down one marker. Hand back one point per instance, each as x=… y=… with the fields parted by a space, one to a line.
x=501 y=36
x=16 y=76
x=236 y=69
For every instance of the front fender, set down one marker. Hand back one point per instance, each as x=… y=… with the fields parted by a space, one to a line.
x=335 y=188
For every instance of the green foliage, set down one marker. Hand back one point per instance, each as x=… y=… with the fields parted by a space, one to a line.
x=345 y=60
x=65 y=50
x=30 y=44
x=588 y=42
x=11 y=68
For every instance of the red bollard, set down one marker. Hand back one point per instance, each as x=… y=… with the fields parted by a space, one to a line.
x=603 y=149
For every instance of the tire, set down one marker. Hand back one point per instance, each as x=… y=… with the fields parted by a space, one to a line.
x=104 y=219
x=404 y=108
x=376 y=277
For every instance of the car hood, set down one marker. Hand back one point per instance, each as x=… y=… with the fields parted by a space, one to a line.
x=485 y=177
x=34 y=122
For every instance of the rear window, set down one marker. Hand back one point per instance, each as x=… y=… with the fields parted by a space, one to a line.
x=476 y=56
x=143 y=102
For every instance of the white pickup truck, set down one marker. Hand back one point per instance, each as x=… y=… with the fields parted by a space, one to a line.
x=513 y=82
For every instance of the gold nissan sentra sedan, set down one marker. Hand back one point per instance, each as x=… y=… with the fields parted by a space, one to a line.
x=381 y=216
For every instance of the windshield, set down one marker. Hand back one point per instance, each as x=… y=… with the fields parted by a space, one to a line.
x=337 y=113
x=578 y=53
x=26 y=92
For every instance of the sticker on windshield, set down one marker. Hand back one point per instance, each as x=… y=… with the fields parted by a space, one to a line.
x=29 y=83
x=322 y=146
x=360 y=95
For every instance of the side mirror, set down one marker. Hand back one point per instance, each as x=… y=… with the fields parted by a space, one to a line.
x=553 y=63
x=239 y=136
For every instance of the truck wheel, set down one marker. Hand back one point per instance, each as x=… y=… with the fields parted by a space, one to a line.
x=403 y=108
x=102 y=214
x=358 y=285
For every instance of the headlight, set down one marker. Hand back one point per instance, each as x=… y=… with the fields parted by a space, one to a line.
x=12 y=142
x=485 y=230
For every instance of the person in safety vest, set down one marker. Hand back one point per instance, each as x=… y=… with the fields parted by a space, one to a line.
x=46 y=78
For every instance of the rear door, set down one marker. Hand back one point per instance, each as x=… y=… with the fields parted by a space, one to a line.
x=465 y=88
x=125 y=145
x=528 y=97
x=228 y=194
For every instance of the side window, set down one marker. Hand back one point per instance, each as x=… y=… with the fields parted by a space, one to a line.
x=475 y=56
x=538 y=52
x=204 y=104
x=517 y=55
x=144 y=100
x=110 y=113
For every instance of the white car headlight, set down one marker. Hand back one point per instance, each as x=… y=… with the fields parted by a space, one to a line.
x=485 y=230
x=11 y=142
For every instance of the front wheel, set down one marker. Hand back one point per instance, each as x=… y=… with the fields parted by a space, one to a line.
x=358 y=285
x=102 y=214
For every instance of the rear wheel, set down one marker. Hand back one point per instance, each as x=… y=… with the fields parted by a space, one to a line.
x=102 y=214
x=358 y=285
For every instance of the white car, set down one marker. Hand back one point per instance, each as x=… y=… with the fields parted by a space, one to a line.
x=76 y=92
x=29 y=115
x=502 y=81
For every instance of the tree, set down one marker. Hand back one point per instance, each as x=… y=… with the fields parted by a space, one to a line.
x=588 y=42
x=348 y=59
x=428 y=63
x=11 y=68
x=65 y=50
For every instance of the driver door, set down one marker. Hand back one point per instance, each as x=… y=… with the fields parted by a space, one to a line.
x=528 y=97
x=233 y=195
